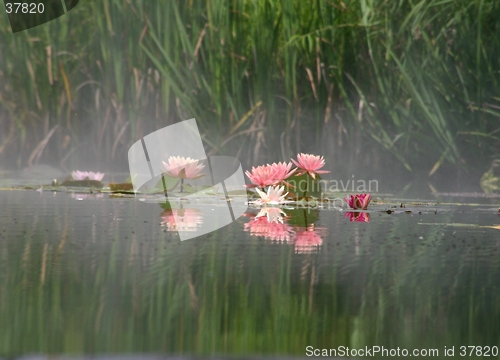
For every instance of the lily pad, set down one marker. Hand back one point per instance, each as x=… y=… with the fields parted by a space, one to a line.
x=83 y=183
x=122 y=187
x=167 y=182
x=304 y=185
x=302 y=217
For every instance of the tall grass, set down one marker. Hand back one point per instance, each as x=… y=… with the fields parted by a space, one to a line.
x=412 y=81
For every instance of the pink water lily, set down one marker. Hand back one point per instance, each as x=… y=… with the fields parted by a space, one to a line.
x=358 y=201
x=82 y=175
x=261 y=176
x=274 y=196
x=184 y=168
x=282 y=171
x=310 y=164
x=358 y=216
x=270 y=174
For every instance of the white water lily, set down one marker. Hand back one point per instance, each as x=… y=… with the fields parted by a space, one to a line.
x=274 y=196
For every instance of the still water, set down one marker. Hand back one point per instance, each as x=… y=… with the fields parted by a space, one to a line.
x=96 y=274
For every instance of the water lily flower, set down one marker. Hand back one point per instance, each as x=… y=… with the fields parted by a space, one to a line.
x=274 y=196
x=358 y=216
x=310 y=164
x=358 y=201
x=182 y=219
x=82 y=175
x=270 y=174
x=274 y=231
x=184 y=168
x=282 y=171
x=309 y=239
x=261 y=176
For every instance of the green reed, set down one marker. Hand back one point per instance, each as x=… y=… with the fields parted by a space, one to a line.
x=415 y=81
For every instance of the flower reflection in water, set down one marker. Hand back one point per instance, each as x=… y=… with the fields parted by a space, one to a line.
x=309 y=239
x=271 y=223
x=86 y=196
x=272 y=214
x=181 y=219
x=358 y=216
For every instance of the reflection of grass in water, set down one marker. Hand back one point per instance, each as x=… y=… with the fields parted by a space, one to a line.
x=497 y=227
x=439 y=285
x=64 y=290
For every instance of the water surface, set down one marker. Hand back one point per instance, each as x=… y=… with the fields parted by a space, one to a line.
x=95 y=274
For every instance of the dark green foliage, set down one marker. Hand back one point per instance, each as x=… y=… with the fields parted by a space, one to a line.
x=415 y=80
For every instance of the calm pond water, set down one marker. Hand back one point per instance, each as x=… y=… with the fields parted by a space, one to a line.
x=95 y=274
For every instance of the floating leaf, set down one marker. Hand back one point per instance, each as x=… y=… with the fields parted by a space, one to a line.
x=122 y=187
x=167 y=182
x=83 y=183
x=304 y=185
x=302 y=217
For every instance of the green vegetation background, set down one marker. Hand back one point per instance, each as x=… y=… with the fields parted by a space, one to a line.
x=369 y=84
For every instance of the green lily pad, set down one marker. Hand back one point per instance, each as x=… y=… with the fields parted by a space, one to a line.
x=304 y=185
x=122 y=187
x=83 y=183
x=302 y=217
x=167 y=182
